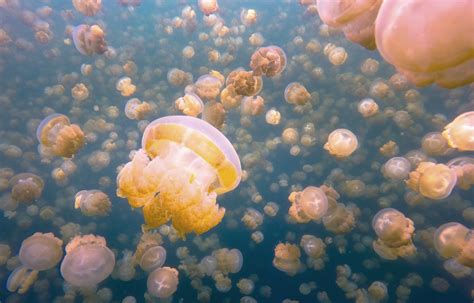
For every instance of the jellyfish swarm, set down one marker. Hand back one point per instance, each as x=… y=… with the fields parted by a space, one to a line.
x=89 y=40
x=183 y=165
x=58 y=137
x=269 y=61
x=309 y=204
x=460 y=132
x=436 y=48
x=455 y=241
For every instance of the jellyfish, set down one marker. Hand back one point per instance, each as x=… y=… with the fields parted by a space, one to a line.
x=434 y=144
x=443 y=52
x=395 y=232
x=153 y=258
x=341 y=143
x=80 y=92
x=396 y=168
x=228 y=260
x=248 y=16
x=21 y=279
x=177 y=77
x=138 y=110
x=368 y=107
x=273 y=116
x=296 y=93
x=214 y=113
x=208 y=7
x=434 y=181
x=88 y=261
x=126 y=87
x=244 y=83
x=87 y=7
x=252 y=218
x=309 y=204
x=269 y=61
x=41 y=251
x=460 y=132
x=26 y=187
x=314 y=247
x=162 y=282
x=184 y=164
x=58 y=137
x=229 y=97
x=455 y=241
x=378 y=291
x=252 y=106
x=125 y=268
x=208 y=86
x=271 y=209
x=339 y=218
x=93 y=203
x=246 y=286
x=89 y=40
x=337 y=55
x=287 y=258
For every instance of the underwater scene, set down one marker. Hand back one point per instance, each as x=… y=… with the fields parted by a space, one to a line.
x=277 y=151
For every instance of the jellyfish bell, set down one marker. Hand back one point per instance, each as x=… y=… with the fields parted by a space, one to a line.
x=89 y=40
x=296 y=93
x=41 y=251
x=310 y=204
x=163 y=282
x=153 y=258
x=87 y=7
x=190 y=104
x=26 y=187
x=434 y=181
x=269 y=61
x=396 y=168
x=460 y=132
x=341 y=143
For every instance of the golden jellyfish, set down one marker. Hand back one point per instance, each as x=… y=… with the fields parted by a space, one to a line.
x=434 y=144
x=309 y=204
x=314 y=247
x=125 y=86
x=269 y=61
x=378 y=291
x=337 y=56
x=188 y=52
x=271 y=209
x=287 y=258
x=184 y=164
x=162 y=282
x=245 y=286
x=290 y=135
x=434 y=181
x=177 y=77
x=257 y=236
x=341 y=143
x=154 y=257
x=339 y=218
x=296 y=93
x=138 y=110
x=190 y=105
x=252 y=106
x=368 y=107
x=228 y=260
x=208 y=7
x=455 y=241
x=395 y=232
x=244 y=83
x=460 y=132
x=41 y=251
x=92 y=203
x=21 y=279
x=396 y=168
x=208 y=87
x=229 y=98
x=89 y=40
x=443 y=52
x=256 y=39
x=87 y=7
x=26 y=187
x=252 y=218
x=80 y=92
x=273 y=116
x=58 y=137
x=88 y=261
x=248 y=17
x=355 y=18
x=214 y=113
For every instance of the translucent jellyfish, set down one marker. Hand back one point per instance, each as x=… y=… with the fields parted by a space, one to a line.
x=246 y=286
x=177 y=77
x=93 y=203
x=296 y=93
x=80 y=92
x=460 y=132
x=248 y=16
x=269 y=61
x=5 y=253
x=208 y=86
x=125 y=86
x=368 y=107
x=252 y=218
x=290 y=135
x=396 y=168
x=273 y=116
x=88 y=261
x=443 y=52
x=378 y=291
x=313 y=247
x=214 y=113
x=89 y=40
x=395 y=232
x=184 y=164
x=309 y=204
x=208 y=7
x=257 y=236
x=287 y=258
x=138 y=110
x=434 y=181
x=153 y=258
x=87 y=7
x=26 y=187
x=252 y=106
x=58 y=137
x=21 y=279
x=434 y=144
x=162 y=282
x=339 y=219
x=337 y=56
x=455 y=241
x=229 y=97
x=341 y=143
x=41 y=251
x=355 y=18
x=190 y=105
x=228 y=260
x=244 y=83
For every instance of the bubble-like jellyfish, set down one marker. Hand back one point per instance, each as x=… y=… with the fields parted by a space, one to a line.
x=269 y=61
x=88 y=261
x=460 y=132
x=58 y=137
x=190 y=105
x=341 y=143
x=443 y=52
x=153 y=258
x=208 y=86
x=296 y=93
x=208 y=7
x=138 y=110
x=395 y=232
x=244 y=83
x=434 y=181
x=162 y=282
x=355 y=18
x=184 y=164
x=455 y=241
x=41 y=251
x=378 y=291
x=396 y=168
x=287 y=258
x=93 y=203
x=26 y=187
x=87 y=7
x=246 y=286
x=309 y=204
x=89 y=40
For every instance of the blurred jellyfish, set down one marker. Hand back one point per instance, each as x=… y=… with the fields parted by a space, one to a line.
x=125 y=268
x=252 y=106
x=190 y=105
x=244 y=83
x=138 y=110
x=93 y=203
x=309 y=204
x=87 y=7
x=248 y=16
x=368 y=107
x=341 y=143
x=396 y=168
x=162 y=282
x=273 y=116
x=229 y=97
x=460 y=132
x=88 y=261
x=41 y=251
x=269 y=61
x=21 y=279
x=228 y=260
x=126 y=87
x=214 y=113
x=339 y=218
x=208 y=86
x=287 y=259
x=26 y=187
x=246 y=286
x=80 y=92
x=378 y=291
x=296 y=93
x=314 y=247
x=58 y=137
x=208 y=7
x=434 y=144
x=252 y=218
x=167 y=188
x=434 y=181
x=153 y=258
x=455 y=241
x=177 y=77
x=89 y=40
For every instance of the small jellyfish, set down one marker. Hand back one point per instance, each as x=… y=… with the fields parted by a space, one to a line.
x=208 y=7
x=214 y=113
x=368 y=107
x=455 y=241
x=190 y=105
x=80 y=92
x=229 y=97
x=396 y=168
x=88 y=261
x=228 y=260
x=460 y=132
x=89 y=40
x=125 y=86
x=252 y=106
x=153 y=258
x=177 y=77
x=309 y=204
x=162 y=282
x=314 y=247
x=208 y=86
x=41 y=251
x=434 y=181
x=138 y=110
x=341 y=143
x=269 y=61
x=244 y=83
x=93 y=203
x=252 y=218
x=26 y=187
x=337 y=56
x=378 y=291
x=87 y=7
x=248 y=16
x=273 y=116
x=21 y=279
x=434 y=144
x=246 y=286
x=296 y=93
x=287 y=258
x=58 y=137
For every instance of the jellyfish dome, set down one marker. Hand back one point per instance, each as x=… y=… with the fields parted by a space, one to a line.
x=183 y=165
x=41 y=251
x=26 y=187
x=310 y=204
x=455 y=241
x=163 y=282
x=269 y=61
x=460 y=132
x=434 y=181
x=341 y=143
x=153 y=258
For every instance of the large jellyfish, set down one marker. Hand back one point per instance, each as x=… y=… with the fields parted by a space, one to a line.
x=460 y=132
x=455 y=241
x=26 y=187
x=41 y=251
x=184 y=164
x=89 y=40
